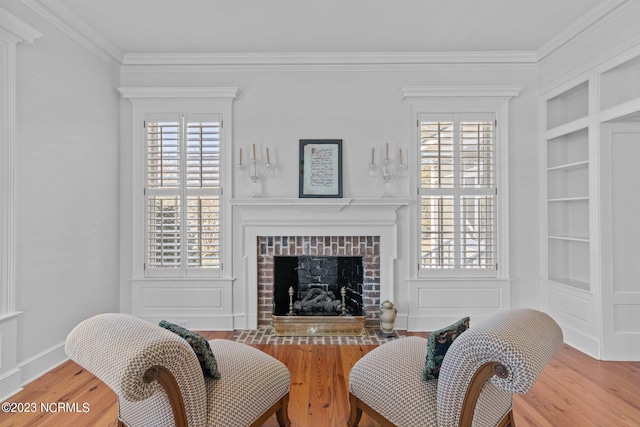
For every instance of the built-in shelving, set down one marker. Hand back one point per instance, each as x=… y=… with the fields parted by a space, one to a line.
x=590 y=254
x=568 y=188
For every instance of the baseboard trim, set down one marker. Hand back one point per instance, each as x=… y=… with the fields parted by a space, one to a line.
x=41 y=363
x=581 y=341
x=10 y=384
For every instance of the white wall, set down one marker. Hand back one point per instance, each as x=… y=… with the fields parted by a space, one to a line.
x=363 y=106
x=66 y=191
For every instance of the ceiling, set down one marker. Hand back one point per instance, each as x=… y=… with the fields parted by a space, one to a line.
x=329 y=26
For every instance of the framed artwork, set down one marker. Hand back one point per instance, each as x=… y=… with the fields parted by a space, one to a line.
x=320 y=168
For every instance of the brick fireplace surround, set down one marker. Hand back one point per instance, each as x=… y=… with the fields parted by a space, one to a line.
x=368 y=247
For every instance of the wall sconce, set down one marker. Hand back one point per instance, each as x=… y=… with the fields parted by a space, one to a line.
x=257 y=170
x=388 y=169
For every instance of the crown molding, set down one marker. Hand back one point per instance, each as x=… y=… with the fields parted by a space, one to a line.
x=13 y=30
x=67 y=21
x=586 y=24
x=149 y=62
x=369 y=61
x=134 y=62
x=331 y=58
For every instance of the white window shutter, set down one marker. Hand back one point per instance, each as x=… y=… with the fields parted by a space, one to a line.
x=182 y=194
x=457 y=194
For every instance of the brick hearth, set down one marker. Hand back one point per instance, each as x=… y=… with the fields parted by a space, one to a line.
x=368 y=247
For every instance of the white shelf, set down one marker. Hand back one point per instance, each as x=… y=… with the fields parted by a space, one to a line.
x=568 y=199
x=320 y=204
x=570 y=166
x=570 y=239
x=568 y=128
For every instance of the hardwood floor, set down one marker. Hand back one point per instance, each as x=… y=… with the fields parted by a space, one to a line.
x=574 y=390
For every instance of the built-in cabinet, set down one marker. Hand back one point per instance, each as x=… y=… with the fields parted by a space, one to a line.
x=591 y=259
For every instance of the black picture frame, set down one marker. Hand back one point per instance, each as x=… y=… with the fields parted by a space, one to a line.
x=320 y=168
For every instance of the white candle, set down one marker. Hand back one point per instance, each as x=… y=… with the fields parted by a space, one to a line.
x=268 y=160
x=254 y=151
x=401 y=156
x=387 y=158
x=241 y=157
x=372 y=155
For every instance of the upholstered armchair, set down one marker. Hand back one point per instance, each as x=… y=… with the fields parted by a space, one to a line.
x=481 y=370
x=159 y=381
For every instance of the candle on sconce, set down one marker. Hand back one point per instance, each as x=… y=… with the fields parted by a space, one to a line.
x=387 y=158
x=240 y=157
x=268 y=159
x=254 y=152
x=373 y=155
x=401 y=156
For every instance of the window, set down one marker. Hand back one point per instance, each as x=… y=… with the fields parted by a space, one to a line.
x=457 y=191
x=174 y=169
x=182 y=194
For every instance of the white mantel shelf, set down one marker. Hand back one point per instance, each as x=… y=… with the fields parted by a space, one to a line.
x=320 y=204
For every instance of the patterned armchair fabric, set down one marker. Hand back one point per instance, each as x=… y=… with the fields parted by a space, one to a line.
x=119 y=349
x=386 y=382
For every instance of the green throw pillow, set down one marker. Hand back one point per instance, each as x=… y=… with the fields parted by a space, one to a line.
x=437 y=345
x=199 y=345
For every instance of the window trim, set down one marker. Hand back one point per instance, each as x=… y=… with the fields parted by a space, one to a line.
x=190 y=100
x=425 y=100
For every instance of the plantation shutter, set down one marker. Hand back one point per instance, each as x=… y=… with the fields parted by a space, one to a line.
x=457 y=194
x=182 y=194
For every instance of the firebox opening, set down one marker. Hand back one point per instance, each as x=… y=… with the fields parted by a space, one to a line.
x=317 y=282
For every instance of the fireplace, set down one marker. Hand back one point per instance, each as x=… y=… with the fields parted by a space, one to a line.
x=272 y=227
x=318 y=286
x=318 y=269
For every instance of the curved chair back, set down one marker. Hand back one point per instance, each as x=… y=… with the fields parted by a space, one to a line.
x=121 y=350
x=511 y=348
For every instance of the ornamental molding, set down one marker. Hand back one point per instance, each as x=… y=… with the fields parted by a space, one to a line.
x=413 y=92
x=178 y=92
x=72 y=25
x=13 y=30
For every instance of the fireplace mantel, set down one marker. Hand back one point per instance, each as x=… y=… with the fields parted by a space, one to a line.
x=315 y=217
x=320 y=204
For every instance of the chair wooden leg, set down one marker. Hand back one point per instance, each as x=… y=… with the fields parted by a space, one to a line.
x=356 y=412
x=282 y=414
x=507 y=420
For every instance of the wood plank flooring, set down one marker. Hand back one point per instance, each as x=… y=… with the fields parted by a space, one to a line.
x=574 y=390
